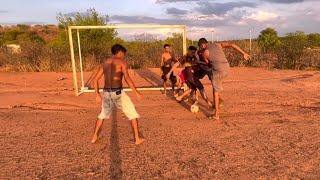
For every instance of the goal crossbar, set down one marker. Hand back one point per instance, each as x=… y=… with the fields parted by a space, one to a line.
x=130 y=26
x=84 y=89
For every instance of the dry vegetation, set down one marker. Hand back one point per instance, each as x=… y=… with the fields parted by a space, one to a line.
x=46 y=48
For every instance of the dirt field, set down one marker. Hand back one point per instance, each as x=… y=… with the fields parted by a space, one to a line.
x=270 y=128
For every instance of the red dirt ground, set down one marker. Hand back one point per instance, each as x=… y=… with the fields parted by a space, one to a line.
x=270 y=129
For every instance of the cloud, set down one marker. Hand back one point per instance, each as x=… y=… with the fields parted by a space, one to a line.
x=293 y=23
x=262 y=16
x=208 y=8
x=234 y=19
x=191 y=21
x=174 y=1
x=74 y=14
x=175 y=11
x=284 y=1
x=143 y=19
x=24 y=22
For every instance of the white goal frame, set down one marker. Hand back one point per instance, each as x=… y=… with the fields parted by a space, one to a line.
x=84 y=89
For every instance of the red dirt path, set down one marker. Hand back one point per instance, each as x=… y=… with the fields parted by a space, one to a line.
x=270 y=129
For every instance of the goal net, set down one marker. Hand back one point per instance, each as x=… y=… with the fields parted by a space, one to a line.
x=148 y=78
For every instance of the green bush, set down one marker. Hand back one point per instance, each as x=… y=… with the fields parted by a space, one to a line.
x=314 y=40
x=269 y=40
x=291 y=50
x=10 y=36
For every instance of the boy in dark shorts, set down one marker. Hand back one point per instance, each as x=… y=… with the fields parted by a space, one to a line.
x=190 y=64
x=167 y=61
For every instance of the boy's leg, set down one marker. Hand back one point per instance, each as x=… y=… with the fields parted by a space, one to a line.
x=188 y=86
x=97 y=130
x=106 y=109
x=217 y=88
x=172 y=86
x=185 y=93
x=196 y=94
x=174 y=81
x=216 y=104
x=197 y=83
x=163 y=77
x=205 y=97
x=164 y=87
x=176 y=93
x=202 y=92
x=125 y=104
x=138 y=139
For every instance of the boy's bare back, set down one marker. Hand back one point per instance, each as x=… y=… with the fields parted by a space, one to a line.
x=113 y=70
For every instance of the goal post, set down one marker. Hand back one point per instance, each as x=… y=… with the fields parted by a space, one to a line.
x=71 y=29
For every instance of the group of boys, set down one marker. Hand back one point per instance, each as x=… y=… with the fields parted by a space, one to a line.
x=209 y=61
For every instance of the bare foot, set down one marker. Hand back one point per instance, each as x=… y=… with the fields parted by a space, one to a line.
x=94 y=139
x=214 y=117
x=139 y=141
x=179 y=99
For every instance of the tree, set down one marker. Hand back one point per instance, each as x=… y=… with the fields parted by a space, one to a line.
x=93 y=41
x=314 y=39
x=30 y=37
x=1 y=38
x=11 y=35
x=291 y=49
x=175 y=42
x=269 y=39
x=23 y=27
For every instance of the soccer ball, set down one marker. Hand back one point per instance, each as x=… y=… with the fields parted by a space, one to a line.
x=194 y=108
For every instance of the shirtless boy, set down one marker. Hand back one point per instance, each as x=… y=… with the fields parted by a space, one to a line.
x=214 y=54
x=114 y=69
x=167 y=61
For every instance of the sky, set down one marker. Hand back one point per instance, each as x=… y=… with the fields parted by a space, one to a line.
x=216 y=19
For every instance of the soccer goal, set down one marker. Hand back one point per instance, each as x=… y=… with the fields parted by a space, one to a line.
x=78 y=73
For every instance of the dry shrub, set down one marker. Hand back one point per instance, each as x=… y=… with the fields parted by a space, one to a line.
x=54 y=55
x=310 y=60
x=89 y=63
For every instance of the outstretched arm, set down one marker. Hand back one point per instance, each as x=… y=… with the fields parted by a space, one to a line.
x=129 y=80
x=232 y=45
x=175 y=66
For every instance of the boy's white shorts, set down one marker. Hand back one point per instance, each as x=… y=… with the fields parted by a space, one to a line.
x=122 y=101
